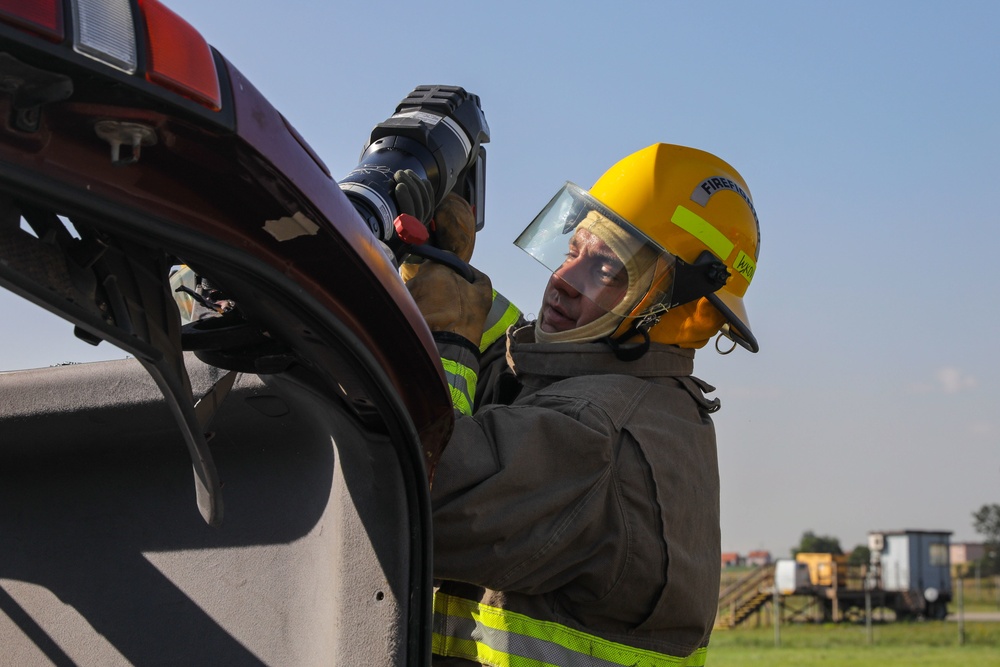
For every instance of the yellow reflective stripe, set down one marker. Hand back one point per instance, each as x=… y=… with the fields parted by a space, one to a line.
x=703 y=230
x=578 y=647
x=461 y=402
x=506 y=317
x=462 y=381
x=453 y=646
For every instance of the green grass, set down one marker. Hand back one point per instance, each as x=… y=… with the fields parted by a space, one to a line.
x=845 y=645
x=977 y=598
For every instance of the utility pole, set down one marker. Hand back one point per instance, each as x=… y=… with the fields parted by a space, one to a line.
x=776 y=603
x=868 y=607
x=961 y=611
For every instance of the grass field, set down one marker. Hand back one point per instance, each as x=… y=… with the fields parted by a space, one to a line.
x=917 y=644
x=903 y=644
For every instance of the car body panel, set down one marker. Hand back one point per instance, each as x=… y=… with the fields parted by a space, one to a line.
x=322 y=449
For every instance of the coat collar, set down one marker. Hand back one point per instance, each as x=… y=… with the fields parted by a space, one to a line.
x=525 y=356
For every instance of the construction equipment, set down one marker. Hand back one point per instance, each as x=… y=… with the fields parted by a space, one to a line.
x=824 y=569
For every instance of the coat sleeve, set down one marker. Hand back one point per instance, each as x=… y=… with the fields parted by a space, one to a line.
x=526 y=496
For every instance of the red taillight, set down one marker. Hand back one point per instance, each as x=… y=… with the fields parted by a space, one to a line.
x=179 y=57
x=43 y=17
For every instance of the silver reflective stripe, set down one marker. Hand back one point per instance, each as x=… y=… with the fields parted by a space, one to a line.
x=493 y=636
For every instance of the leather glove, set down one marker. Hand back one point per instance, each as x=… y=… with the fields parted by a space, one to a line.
x=449 y=303
x=455 y=226
x=455 y=230
x=414 y=195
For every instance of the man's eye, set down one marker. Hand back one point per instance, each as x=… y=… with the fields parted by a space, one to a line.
x=611 y=275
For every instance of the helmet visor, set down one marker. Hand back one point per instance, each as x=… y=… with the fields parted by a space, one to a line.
x=598 y=253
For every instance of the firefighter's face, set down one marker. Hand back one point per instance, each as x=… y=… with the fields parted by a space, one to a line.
x=590 y=282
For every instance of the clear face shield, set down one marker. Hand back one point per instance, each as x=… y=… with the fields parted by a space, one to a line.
x=598 y=254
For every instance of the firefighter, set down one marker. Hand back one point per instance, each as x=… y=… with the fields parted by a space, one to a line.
x=576 y=506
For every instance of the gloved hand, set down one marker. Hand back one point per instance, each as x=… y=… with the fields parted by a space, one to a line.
x=455 y=226
x=450 y=303
x=455 y=229
x=414 y=195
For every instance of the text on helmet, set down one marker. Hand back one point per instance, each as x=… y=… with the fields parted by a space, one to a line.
x=715 y=184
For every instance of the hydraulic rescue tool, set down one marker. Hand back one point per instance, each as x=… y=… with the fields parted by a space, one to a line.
x=438 y=132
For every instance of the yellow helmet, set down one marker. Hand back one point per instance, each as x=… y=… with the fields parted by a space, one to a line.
x=684 y=228
x=698 y=208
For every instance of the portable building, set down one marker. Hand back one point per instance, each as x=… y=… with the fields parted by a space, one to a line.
x=916 y=565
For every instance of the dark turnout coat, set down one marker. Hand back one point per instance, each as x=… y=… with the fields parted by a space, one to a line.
x=584 y=492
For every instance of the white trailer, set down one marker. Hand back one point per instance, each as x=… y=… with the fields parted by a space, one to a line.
x=791 y=577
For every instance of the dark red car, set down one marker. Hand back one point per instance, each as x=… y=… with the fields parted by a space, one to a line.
x=312 y=421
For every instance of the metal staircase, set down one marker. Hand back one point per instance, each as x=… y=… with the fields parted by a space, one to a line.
x=741 y=599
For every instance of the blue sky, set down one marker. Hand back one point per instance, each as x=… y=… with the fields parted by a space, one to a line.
x=868 y=133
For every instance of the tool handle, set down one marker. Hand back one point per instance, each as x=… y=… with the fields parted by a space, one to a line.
x=449 y=259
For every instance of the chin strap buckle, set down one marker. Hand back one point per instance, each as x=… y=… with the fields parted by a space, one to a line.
x=651 y=317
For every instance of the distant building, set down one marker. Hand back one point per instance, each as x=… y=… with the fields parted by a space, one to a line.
x=759 y=558
x=914 y=564
x=731 y=559
x=966 y=552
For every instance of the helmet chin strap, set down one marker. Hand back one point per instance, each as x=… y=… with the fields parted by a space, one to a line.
x=640 y=326
x=630 y=351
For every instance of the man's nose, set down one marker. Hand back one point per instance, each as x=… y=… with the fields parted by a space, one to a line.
x=560 y=280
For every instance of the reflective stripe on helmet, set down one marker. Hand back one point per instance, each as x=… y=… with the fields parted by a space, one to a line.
x=462 y=383
x=502 y=314
x=703 y=230
x=492 y=636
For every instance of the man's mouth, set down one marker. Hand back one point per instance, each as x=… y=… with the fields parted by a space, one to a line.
x=556 y=319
